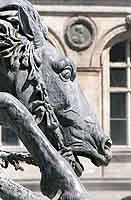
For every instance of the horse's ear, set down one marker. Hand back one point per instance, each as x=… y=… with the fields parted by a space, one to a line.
x=26 y=24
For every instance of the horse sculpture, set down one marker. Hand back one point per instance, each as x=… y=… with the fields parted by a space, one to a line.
x=42 y=101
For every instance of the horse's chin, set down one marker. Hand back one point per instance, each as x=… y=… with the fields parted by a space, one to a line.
x=96 y=158
x=100 y=160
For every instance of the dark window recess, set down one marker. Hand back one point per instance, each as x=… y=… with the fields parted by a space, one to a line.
x=9 y=137
x=130 y=51
x=118 y=52
x=119 y=131
x=118 y=77
x=118 y=105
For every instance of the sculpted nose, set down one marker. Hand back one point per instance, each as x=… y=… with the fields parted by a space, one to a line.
x=106 y=147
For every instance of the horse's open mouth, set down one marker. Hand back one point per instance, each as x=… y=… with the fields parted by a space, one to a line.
x=96 y=157
x=103 y=156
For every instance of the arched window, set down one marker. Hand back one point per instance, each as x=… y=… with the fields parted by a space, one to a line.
x=120 y=93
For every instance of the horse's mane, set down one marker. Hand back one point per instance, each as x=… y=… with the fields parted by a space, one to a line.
x=23 y=13
x=21 y=35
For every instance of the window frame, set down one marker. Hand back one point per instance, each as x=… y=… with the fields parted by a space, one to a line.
x=107 y=89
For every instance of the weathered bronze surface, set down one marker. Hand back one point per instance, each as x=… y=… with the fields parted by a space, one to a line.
x=42 y=101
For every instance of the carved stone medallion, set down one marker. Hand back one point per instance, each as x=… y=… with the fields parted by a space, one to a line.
x=79 y=33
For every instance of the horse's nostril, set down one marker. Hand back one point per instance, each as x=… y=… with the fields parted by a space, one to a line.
x=108 y=144
x=106 y=149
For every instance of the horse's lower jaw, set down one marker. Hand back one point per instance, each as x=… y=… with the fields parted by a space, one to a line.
x=100 y=160
x=96 y=158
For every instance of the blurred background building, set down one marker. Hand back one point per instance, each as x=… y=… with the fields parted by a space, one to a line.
x=96 y=34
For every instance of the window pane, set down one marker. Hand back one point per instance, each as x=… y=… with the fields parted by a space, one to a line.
x=118 y=105
x=118 y=77
x=9 y=137
x=119 y=132
x=118 y=52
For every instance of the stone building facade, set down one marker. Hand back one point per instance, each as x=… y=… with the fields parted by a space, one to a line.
x=96 y=34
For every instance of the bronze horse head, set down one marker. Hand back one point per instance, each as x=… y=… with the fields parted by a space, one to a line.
x=46 y=83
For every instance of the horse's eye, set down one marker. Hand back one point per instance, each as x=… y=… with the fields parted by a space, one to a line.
x=66 y=74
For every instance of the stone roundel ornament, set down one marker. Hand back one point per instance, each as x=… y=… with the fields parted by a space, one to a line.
x=79 y=33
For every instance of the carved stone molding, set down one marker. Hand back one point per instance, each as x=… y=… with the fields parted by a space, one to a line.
x=106 y=39
x=128 y=21
x=79 y=33
x=56 y=41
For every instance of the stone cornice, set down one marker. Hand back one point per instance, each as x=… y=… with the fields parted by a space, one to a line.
x=83 y=2
x=91 y=184
x=62 y=9
x=101 y=184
